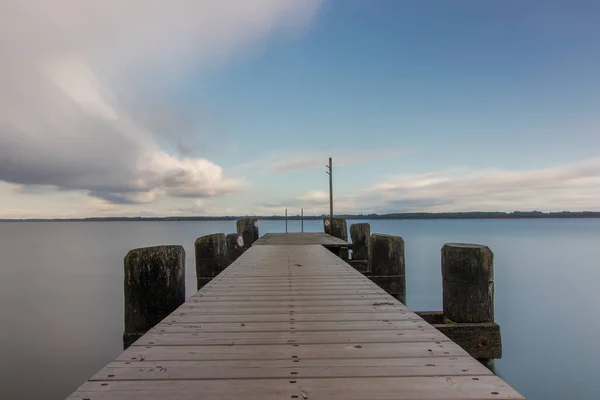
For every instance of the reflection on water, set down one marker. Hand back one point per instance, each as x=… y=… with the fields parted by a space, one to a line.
x=61 y=295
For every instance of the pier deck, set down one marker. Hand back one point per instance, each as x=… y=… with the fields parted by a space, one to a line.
x=293 y=321
x=301 y=239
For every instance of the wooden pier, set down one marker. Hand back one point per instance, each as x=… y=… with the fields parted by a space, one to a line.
x=290 y=320
x=301 y=239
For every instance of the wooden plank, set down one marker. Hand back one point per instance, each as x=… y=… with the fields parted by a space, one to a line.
x=300 y=303
x=297 y=239
x=272 y=369
x=336 y=298
x=246 y=288
x=270 y=282
x=293 y=322
x=293 y=292
x=276 y=309
x=288 y=289
x=244 y=318
x=391 y=388
x=311 y=281
x=286 y=351
x=285 y=326
x=464 y=362
x=290 y=337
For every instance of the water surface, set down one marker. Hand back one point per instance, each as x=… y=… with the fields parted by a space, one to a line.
x=61 y=295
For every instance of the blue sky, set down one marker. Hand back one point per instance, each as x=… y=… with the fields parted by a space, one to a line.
x=425 y=106
x=436 y=80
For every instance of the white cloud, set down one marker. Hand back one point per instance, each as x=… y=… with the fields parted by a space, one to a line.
x=315 y=198
x=573 y=186
x=307 y=159
x=72 y=68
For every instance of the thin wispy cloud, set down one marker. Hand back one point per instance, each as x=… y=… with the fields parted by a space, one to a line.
x=72 y=70
x=305 y=160
x=462 y=189
x=313 y=202
x=548 y=189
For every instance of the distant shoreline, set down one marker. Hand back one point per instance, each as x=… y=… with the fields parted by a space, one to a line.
x=452 y=215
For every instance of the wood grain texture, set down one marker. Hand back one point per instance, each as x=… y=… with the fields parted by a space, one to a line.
x=272 y=369
x=293 y=322
x=389 y=388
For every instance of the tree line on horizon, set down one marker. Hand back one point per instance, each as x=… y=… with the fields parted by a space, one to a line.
x=419 y=215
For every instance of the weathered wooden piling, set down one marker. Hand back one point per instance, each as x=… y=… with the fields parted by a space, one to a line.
x=387 y=264
x=248 y=227
x=468 y=311
x=211 y=257
x=338 y=229
x=468 y=283
x=361 y=244
x=154 y=287
x=235 y=247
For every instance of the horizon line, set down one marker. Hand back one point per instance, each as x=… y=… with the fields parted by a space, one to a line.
x=394 y=215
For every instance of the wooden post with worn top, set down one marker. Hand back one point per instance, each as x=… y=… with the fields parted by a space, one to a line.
x=361 y=245
x=468 y=283
x=154 y=288
x=338 y=228
x=468 y=316
x=211 y=257
x=388 y=269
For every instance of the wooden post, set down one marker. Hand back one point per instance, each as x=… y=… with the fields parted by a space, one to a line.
x=235 y=247
x=337 y=228
x=468 y=316
x=387 y=264
x=248 y=227
x=154 y=288
x=360 y=235
x=468 y=283
x=211 y=257
x=387 y=255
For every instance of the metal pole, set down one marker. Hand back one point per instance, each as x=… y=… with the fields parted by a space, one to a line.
x=286 y=221
x=330 y=192
x=302 y=220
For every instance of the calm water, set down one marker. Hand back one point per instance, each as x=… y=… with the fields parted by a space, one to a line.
x=61 y=295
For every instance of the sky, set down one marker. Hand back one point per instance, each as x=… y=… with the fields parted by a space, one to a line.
x=202 y=107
